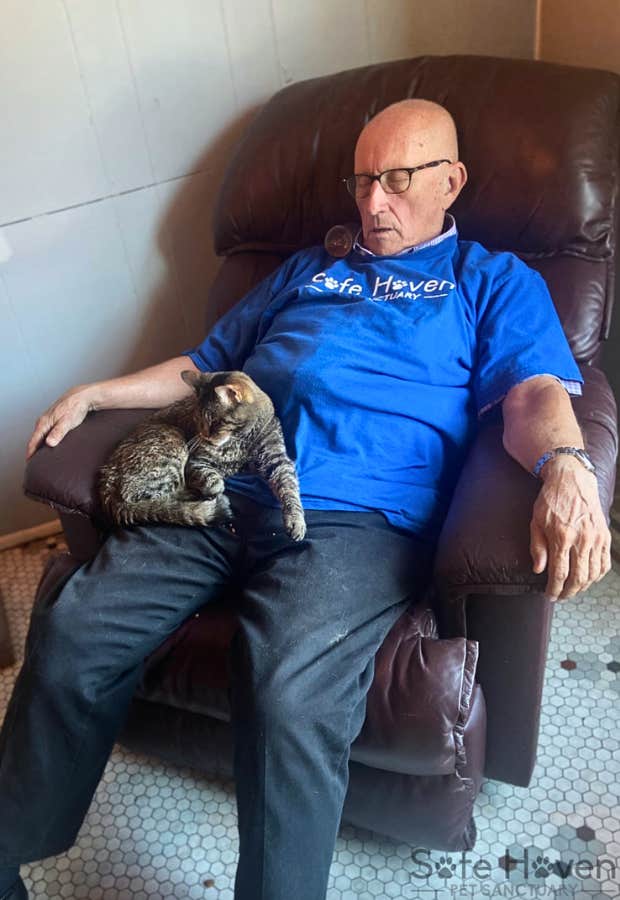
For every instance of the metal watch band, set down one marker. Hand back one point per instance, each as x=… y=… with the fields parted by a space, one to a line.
x=580 y=454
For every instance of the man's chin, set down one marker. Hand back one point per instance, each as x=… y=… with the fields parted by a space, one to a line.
x=384 y=241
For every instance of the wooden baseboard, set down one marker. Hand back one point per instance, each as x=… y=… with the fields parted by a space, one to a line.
x=36 y=533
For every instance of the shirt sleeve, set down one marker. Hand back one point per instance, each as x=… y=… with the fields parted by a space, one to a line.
x=233 y=337
x=519 y=336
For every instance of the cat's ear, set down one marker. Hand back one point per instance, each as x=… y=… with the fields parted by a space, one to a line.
x=194 y=379
x=230 y=394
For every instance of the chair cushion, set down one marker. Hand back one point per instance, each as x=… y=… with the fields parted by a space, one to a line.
x=417 y=706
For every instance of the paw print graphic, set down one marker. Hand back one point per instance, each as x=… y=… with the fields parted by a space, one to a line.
x=399 y=285
x=542 y=867
x=445 y=868
x=563 y=869
x=331 y=283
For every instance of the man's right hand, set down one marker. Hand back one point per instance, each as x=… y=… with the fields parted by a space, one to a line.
x=66 y=413
x=149 y=388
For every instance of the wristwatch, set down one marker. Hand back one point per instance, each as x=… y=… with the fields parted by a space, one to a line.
x=581 y=455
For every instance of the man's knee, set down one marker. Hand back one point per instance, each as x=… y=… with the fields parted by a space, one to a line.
x=275 y=690
x=64 y=626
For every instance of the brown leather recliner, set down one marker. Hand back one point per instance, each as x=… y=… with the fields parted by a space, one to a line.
x=541 y=146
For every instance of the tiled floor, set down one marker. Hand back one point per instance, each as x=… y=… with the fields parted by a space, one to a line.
x=565 y=825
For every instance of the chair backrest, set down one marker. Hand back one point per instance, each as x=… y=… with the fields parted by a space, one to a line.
x=540 y=142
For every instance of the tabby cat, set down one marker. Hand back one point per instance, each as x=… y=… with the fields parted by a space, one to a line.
x=171 y=467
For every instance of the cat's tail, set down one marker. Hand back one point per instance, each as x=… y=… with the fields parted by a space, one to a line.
x=171 y=509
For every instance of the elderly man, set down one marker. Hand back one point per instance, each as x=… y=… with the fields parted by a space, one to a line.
x=379 y=365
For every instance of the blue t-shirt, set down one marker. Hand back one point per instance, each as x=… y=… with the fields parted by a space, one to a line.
x=379 y=367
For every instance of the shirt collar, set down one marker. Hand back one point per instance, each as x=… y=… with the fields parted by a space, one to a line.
x=449 y=230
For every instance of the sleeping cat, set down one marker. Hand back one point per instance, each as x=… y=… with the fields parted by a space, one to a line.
x=171 y=467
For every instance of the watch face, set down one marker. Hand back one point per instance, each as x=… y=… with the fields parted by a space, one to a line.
x=583 y=456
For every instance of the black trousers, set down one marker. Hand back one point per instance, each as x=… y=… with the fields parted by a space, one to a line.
x=312 y=616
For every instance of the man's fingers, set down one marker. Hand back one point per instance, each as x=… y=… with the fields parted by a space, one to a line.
x=607 y=559
x=558 y=569
x=604 y=559
x=49 y=429
x=573 y=570
x=42 y=426
x=67 y=413
x=595 y=564
x=32 y=445
x=578 y=575
x=538 y=548
x=56 y=435
x=594 y=567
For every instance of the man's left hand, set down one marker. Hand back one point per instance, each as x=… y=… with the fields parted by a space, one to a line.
x=568 y=532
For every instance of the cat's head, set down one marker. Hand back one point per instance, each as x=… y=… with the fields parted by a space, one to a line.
x=229 y=404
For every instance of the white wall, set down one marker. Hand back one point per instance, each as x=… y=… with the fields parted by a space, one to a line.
x=116 y=120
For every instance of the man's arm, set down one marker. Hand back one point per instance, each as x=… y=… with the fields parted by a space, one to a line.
x=568 y=531
x=149 y=388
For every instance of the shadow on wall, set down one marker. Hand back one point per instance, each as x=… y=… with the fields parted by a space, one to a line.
x=185 y=242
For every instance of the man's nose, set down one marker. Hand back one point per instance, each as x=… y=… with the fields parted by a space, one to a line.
x=376 y=199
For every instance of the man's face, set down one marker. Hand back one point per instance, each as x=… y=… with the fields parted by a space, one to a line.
x=392 y=222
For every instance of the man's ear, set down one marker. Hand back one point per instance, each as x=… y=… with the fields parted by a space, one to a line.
x=457 y=179
x=194 y=379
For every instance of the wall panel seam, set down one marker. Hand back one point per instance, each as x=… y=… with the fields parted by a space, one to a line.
x=276 y=45
x=231 y=71
x=142 y=187
x=86 y=94
x=136 y=89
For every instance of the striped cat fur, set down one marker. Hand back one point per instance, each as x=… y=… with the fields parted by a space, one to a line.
x=171 y=467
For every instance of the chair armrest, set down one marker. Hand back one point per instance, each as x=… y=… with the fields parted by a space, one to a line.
x=65 y=476
x=486 y=534
x=486 y=590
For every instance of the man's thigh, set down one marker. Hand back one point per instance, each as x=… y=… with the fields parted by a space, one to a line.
x=142 y=584
x=313 y=615
x=351 y=569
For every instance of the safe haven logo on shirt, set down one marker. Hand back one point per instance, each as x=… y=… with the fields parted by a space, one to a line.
x=390 y=288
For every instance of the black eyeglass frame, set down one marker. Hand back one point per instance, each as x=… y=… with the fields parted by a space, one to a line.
x=350 y=183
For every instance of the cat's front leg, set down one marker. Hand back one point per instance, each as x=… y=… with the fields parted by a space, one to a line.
x=278 y=470
x=294 y=520
x=203 y=480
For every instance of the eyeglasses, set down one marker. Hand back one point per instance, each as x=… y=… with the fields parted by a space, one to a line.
x=393 y=181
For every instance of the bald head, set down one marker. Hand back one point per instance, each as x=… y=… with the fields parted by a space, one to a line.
x=417 y=129
x=406 y=135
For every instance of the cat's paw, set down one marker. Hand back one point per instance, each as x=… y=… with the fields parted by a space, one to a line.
x=205 y=485
x=206 y=512
x=224 y=509
x=295 y=525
